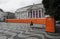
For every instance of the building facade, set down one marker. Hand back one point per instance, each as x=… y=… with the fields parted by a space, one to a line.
x=10 y=15
x=31 y=11
x=2 y=15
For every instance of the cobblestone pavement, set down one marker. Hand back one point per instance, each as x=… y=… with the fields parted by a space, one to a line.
x=13 y=31
x=18 y=35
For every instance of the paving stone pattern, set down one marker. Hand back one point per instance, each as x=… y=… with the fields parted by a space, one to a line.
x=22 y=31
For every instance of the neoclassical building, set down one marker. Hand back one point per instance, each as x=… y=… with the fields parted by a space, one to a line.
x=31 y=11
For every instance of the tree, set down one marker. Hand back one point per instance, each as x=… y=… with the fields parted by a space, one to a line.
x=1 y=10
x=52 y=8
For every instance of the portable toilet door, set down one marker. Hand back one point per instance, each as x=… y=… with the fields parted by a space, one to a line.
x=50 y=24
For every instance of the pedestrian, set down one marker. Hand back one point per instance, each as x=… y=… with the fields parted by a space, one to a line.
x=31 y=24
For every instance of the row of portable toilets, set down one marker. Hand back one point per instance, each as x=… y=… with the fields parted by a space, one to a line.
x=49 y=22
x=24 y=24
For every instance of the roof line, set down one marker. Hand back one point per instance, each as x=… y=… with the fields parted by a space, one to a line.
x=30 y=5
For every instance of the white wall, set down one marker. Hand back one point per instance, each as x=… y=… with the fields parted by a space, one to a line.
x=22 y=15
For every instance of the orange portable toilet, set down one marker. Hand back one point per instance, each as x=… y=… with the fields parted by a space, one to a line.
x=50 y=24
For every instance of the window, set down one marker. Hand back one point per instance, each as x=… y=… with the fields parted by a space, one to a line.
x=36 y=13
x=39 y=14
x=33 y=13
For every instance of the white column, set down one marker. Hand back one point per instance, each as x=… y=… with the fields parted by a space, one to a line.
x=27 y=14
x=35 y=13
x=32 y=13
x=38 y=13
x=19 y=15
x=41 y=12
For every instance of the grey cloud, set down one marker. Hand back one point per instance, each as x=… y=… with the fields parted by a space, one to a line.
x=12 y=5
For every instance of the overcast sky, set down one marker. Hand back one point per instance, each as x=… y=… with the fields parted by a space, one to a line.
x=12 y=5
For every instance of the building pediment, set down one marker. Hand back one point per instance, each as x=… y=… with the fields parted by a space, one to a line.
x=34 y=6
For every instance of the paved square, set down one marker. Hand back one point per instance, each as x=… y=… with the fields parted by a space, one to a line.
x=21 y=31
